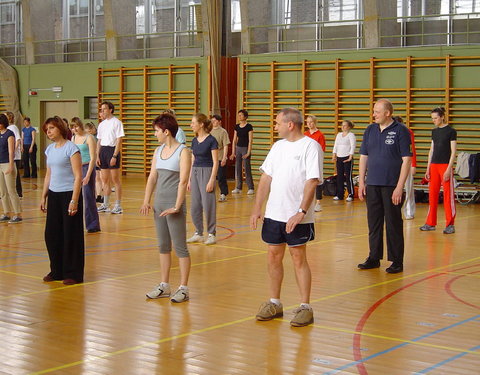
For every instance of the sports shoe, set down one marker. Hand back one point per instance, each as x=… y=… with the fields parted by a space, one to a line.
x=450 y=229
x=15 y=220
x=336 y=198
x=250 y=192
x=99 y=199
x=349 y=199
x=160 y=291
x=269 y=310
x=195 y=238
x=4 y=218
x=318 y=207
x=181 y=295
x=103 y=208
x=236 y=191
x=210 y=239
x=117 y=209
x=369 y=264
x=222 y=198
x=395 y=268
x=303 y=317
x=427 y=227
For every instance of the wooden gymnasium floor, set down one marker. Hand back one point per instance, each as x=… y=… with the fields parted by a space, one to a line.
x=426 y=320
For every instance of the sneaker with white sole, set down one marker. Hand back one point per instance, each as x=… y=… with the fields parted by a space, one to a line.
x=162 y=290
x=210 y=239
x=336 y=198
x=349 y=199
x=427 y=228
x=318 y=207
x=250 y=192
x=181 y=295
x=16 y=220
x=450 y=229
x=117 y=209
x=236 y=191
x=103 y=208
x=4 y=218
x=268 y=311
x=222 y=198
x=303 y=317
x=195 y=238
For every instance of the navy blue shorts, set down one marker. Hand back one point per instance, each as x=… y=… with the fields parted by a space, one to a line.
x=274 y=233
x=106 y=153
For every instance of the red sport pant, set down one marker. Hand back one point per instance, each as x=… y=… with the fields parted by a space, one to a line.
x=436 y=181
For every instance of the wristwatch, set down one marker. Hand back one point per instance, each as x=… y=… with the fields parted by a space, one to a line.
x=302 y=211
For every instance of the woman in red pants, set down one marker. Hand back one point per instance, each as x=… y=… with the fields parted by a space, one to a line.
x=440 y=171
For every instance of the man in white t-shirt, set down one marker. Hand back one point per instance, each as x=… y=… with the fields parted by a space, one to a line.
x=18 y=150
x=109 y=134
x=290 y=174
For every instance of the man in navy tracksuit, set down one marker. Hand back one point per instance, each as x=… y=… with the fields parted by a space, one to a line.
x=386 y=155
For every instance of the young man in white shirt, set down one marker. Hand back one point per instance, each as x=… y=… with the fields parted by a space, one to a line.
x=110 y=133
x=18 y=150
x=291 y=173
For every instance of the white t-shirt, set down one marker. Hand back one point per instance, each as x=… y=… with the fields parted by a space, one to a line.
x=344 y=146
x=18 y=150
x=109 y=131
x=290 y=165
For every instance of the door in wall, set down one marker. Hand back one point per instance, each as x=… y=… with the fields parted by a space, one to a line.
x=62 y=108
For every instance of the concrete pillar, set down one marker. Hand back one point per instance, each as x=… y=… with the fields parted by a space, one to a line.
x=28 y=35
x=110 y=33
x=245 y=34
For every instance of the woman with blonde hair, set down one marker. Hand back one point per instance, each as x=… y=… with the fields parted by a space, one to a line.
x=202 y=179
x=88 y=150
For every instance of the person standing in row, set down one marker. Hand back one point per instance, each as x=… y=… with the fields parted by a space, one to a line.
x=109 y=135
x=223 y=141
x=343 y=151
x=440 y=172
x=62 y=201
x=88 y=151
x=18 y=150
x=168 y=177
x=290 y=174
x=408 y=208
x=180 y=136
x=315 y=133
x=8 y=173
x=242 y=152
x=29 y=149
x=202 y=179
x=386 y=154
x=91 y=129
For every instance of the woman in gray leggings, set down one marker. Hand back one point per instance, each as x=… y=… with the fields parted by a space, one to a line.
x=202 y=179
x=169 y=175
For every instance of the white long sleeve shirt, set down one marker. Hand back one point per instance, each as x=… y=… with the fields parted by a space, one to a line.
x=344 y=146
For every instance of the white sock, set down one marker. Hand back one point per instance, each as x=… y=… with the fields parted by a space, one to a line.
x=106 y=199
x=117 y=203
x=276 y=301
x=184 y=287
x=165 y=285
x=307 y=305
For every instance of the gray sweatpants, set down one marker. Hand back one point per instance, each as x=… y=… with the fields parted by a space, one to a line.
x=203 y=201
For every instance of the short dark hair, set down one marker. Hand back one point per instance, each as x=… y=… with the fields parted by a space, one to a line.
x=439 y=111
x=166 y=121
x=217 y=117
x=58 y=123
x=26 y=119
x=244 y=111
x=4 y=120
x=109 y=105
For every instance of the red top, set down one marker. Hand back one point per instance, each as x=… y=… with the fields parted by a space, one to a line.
x=414 y=152
x=319 y=137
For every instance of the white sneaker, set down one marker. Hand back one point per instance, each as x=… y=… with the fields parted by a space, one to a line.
x=181 y=295
x=117 y=209
x=250 y=192
x=103 y=208
x=160 y=291
x=210 y=239
x=349 y=199
x=236 y=191
x=318 y=207
x=195 y=238
x=222 y=198
x=336 y=198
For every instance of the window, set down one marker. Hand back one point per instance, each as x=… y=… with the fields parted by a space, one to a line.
x=409 y=8
x=342 y=10
x=236 y=20
x=7 y=13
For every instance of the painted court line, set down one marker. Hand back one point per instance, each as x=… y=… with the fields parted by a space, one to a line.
x=439 y=364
